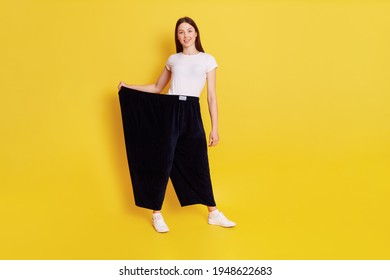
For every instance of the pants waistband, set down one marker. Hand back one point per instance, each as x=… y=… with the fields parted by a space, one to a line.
x=160 y=95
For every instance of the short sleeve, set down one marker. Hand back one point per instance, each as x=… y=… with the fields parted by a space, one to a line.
x=168 y=64
x=211 y=63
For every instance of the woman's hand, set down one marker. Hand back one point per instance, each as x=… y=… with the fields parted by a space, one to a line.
x=121 y=84
x=214 y=138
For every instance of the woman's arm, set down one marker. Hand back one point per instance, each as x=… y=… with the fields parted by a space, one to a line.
x=213 y=107
x=153 y=88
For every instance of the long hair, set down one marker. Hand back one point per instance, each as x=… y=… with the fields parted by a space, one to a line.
x=198 y=44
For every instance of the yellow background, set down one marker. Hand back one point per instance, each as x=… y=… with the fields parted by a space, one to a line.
x=303 y=163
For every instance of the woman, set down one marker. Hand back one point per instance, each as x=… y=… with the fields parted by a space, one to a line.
x=164 y=133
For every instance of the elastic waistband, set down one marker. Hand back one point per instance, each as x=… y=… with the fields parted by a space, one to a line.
x=183 y=98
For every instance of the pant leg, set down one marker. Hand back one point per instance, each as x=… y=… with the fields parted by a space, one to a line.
x=190 y=173
x=150 y=137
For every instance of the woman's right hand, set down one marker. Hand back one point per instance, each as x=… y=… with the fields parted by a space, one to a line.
x=121 y=84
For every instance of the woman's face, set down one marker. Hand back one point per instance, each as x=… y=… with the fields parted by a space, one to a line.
x=186 y=34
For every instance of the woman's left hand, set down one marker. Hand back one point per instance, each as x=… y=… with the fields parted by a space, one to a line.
x=214 y=138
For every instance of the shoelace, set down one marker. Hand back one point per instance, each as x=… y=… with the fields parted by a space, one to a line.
x=158 y=219
x=220 y=215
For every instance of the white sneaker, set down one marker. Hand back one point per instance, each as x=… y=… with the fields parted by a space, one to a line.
x=159 y=224
x=218 y=218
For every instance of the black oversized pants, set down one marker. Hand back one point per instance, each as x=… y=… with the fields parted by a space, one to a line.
x=164 y=138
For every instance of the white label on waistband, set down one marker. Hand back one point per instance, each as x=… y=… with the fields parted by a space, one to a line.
x=182 y=98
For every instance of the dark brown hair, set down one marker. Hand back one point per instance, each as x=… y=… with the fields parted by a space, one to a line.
x=198 y=44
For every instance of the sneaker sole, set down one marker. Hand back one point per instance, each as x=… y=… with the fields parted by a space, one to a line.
x=161 y=230
x=226 y=226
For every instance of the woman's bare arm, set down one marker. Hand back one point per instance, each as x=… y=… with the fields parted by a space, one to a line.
x=153 y=88
x=213 y=107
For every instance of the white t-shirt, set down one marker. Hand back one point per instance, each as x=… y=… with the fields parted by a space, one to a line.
x=188 y=72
